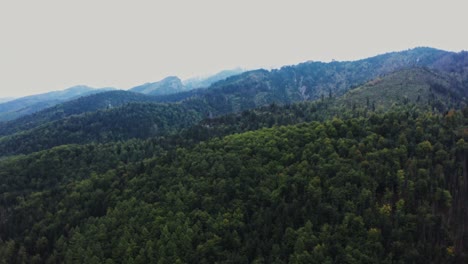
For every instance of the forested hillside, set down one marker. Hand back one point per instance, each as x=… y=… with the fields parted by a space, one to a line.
x=420 y=86
x=312 y=80
x=16 y=108
x=342 y=162
x=306 y=81
x=443 y=85
x=106 y=100
x=354 y=190
x=123 y=123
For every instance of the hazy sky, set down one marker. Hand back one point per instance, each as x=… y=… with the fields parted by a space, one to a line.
x=54 y=44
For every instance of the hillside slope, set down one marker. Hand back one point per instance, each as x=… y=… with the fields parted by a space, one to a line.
x=167 y=85
x=419 y=86
x=310 y=80
x=368 y=190
x=121 y=123
x=203 y=82
x=373 y=176
x=78 y=106
x=30 y=104
x=424 y=88
x=172 y=84
x=306 y=81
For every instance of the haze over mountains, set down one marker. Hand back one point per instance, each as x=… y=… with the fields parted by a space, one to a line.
x=198 y=82
x=13 y=108
x=30 y=104
x=357 y=161
x=6 y=99
x=419 y=76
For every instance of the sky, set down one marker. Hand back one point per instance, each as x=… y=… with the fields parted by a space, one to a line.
x=54 y=44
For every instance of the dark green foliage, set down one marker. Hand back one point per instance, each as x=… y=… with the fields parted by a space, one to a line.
x=306 y=81
x=364 y=190
x=75 y=107
x=356 y=179
x=420 y=86
x=131 y=121
x=31 y=186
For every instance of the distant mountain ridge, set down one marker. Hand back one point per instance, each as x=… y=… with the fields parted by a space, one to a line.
x=90 y=103
x=307 y=81
x=13 y=108
x=29 y=104
x=200 y=82
x=173 y=84
x=420 y=86
x=168 y=85
x=302 y=82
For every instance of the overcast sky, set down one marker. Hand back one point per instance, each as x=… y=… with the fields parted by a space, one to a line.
x=54 y=44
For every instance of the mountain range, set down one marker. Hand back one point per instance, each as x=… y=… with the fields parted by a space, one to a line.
x=343 y=162
x=11 y=109
x=200 y=82
x=167 y=85
x=416 y=76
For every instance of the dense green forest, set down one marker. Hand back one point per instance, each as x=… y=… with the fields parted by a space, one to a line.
x=370 y=166
x=306 y=81
x=420 y=86
x=355 y=190
x=131 y=121
x=86 y=104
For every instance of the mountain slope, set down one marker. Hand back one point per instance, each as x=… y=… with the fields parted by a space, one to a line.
x=172 y=84
x=367 y=190
x=200 y=82
x=121 y=123
x=419 y=86
x=306 y=81
x=310 y=80
x=78 y=106
x=167 y=85
x=31 y=104
x=246 y=91
x=326 y=182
